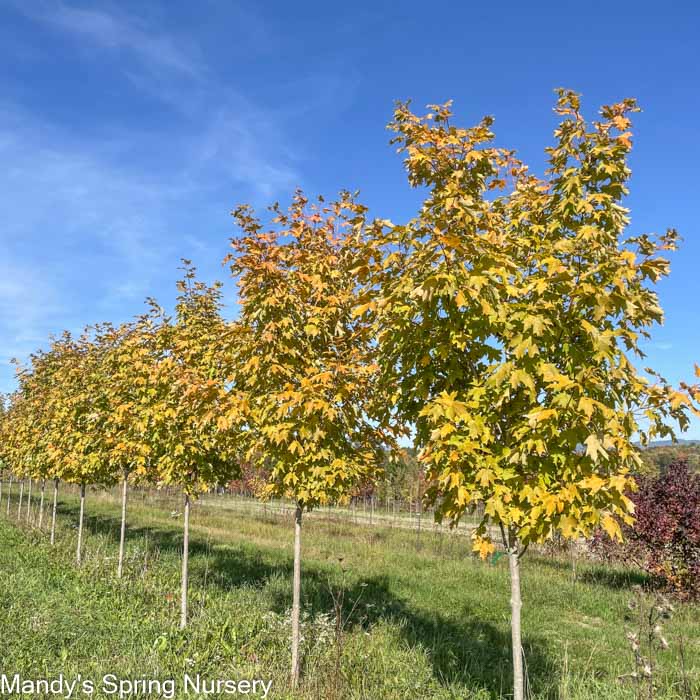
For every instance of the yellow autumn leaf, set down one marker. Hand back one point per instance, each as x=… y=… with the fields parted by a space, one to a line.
x=612 y=527
x=593 y=483
x=593 y=447
x=483 y=546
x=568 y=526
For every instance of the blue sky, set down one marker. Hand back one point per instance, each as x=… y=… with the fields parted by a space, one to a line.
x=129 y=130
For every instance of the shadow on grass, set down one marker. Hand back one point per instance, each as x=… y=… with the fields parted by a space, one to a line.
x=616 y=578
x=463 y=649
x=595 y=573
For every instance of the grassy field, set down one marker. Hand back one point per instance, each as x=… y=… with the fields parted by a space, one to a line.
x=385 y=615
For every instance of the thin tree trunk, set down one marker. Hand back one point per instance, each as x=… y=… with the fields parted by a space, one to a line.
x=122 y=535
x=185 y=564
x=53 y=513
x=1 y=482
x=516 y=606
x=21 y=496
x=9 y=495
x=29 y=502
x=419 y=510
x=41 y=503
x=79 y=551
x=296 y=596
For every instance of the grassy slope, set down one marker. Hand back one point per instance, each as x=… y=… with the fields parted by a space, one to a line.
x=427 y=623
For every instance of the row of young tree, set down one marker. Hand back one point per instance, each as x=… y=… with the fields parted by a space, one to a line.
x=500 y=328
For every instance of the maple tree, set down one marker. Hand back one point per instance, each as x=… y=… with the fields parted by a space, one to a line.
x=47 y=373
x=3 y=465
x=5 y=470
x=509 y=313
x=305 y=360
x=193 y=446
x=14 y=449
x=127 y=389
x=32 y=428
x=78 y=410
x=5 y=445
x=27 y=429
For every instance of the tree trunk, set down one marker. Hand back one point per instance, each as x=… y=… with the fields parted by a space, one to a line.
x=79 y=551
x=53 y=514
x=419 y=510
x=120 y=566
x=9 y=495
x=1 y=482
x=185 y=564
x=516 y=606
x=21 y=496
x=41 y=503
x=296 y=596
x=29 y=502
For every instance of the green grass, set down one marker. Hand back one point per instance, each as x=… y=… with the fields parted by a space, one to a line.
x=421 y=619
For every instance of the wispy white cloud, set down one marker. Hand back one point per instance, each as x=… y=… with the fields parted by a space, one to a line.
x=88 y=234
x=93 y=223
x=115 y=30
x=28 y=302
x=242 y=145
x=56 y=184
x=24 y=301
x=223 y=133
x=78 y=232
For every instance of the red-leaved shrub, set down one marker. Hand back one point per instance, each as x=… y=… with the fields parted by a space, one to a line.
x=665 y=538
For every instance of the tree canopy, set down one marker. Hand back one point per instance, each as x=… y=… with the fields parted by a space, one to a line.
x=510 y=312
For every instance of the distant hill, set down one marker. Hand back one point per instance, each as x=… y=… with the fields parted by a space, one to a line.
x=670 y=443
x=659 y=455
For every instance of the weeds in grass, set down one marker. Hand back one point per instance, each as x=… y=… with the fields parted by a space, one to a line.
x=647 y=640
x=387 y=623
x=341 y=621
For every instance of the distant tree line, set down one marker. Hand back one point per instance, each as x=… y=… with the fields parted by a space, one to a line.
x=658 y=459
